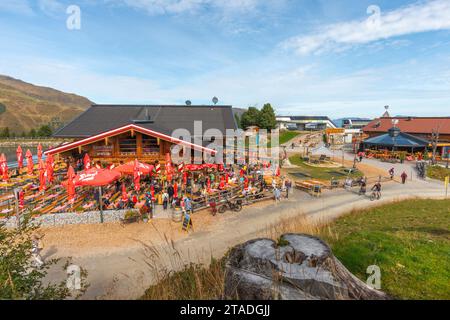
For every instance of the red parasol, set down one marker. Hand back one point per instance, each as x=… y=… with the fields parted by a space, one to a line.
x=4 y=167
x=21 y=199
x=70 y=184
x=19 y=154
x=39 y=152
x=42 y=171
x=227 y=177
x=86 y=162
x=137 y=176
x=152 y=191
x=128 y=168
x=168 y=167
x=180 y=167
x=49 y=168
x=194 y=167
x=96 y=177
x=175 y=190
x=222 y=182
x=278 y=173
x=208 y=184
x=30 y=164
x=185 y=176
x=124 y=193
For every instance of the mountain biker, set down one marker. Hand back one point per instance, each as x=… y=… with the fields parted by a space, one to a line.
x=377 y=189
x=363 y=184
x=391 y=173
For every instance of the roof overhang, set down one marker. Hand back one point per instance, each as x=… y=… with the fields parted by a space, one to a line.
x=114 y=132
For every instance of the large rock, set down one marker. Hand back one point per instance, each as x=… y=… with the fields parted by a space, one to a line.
x=301 y=267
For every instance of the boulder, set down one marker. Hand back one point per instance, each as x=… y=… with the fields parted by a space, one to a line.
x=299 y=267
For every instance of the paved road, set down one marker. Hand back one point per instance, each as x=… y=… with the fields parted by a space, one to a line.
x=125 y=275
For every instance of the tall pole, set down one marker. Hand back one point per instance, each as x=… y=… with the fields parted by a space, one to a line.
x=101 y=203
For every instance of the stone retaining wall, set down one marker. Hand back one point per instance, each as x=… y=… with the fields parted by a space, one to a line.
x=60 y=219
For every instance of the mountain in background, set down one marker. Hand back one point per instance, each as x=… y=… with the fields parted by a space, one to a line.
x=24 y=106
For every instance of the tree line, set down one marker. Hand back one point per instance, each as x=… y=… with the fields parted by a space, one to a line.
x=264 y=118
x=43 y=131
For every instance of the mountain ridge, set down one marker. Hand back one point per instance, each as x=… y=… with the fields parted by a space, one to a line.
x=25 y=106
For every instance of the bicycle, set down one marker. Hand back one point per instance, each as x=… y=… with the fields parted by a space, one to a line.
x=232 y=206
x=376 y=195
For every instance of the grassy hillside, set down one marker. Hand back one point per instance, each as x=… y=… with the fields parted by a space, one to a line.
x=24 y=106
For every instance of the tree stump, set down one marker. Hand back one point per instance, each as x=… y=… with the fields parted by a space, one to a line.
x=302 y=267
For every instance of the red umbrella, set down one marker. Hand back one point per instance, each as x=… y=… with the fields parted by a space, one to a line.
x=185 y=175
x=227 y=177
x=137 y=176
x=30 y=164
x=208 y=184
x=180 y=167
x=70 y=184
x=175 y=190
x=41 y=175
x=86 y=162
x=19 y=154
x=4 y=167
x=168 y=167
x=21 y=199
x=39 y=152
x=194 y=167
x=96 y=177
x=124 y=193
x=128 y=168
x=278 y=171
x=152 y=191
x=50 y=168
x=222 y=182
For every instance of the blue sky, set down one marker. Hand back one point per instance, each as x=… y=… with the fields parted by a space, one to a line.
x=324 y=57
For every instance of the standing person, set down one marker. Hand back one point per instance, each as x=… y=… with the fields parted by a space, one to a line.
x=277 y=194
x=404 y=177
x=170 y=192
x=288 y=185
x=36 y=248
x=391 y=173
x=165 y=198
x=188 y=205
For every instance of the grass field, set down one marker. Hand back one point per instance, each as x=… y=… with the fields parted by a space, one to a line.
x=318 y=172
x=409 y=241
x=286 y=136
x=438 y=172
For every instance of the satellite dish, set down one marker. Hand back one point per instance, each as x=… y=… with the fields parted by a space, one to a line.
x=386 y=107
x=215 y=100
x=188 y=102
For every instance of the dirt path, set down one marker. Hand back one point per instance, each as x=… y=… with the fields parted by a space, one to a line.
x=118 y=269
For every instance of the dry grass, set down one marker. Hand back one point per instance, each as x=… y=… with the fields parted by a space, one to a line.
x=196 y=281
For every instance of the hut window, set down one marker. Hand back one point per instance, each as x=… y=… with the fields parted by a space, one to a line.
x=150 y=145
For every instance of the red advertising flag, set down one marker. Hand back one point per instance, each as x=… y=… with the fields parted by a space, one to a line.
x=70 y=184
x=137 y=176
x=87 y=162
x=30 y=164
x=19 y=154
x=39 y=152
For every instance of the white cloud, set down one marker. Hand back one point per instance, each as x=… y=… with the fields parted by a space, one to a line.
x=51 y=7
x=158 y=7
x=16 y=6
x=420 y=17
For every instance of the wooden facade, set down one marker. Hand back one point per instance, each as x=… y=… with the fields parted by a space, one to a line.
x=121 y=148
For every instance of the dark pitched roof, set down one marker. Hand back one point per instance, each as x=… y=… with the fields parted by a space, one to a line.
x=161 y=118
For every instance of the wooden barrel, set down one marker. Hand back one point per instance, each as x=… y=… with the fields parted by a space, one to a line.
x=177 y=215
